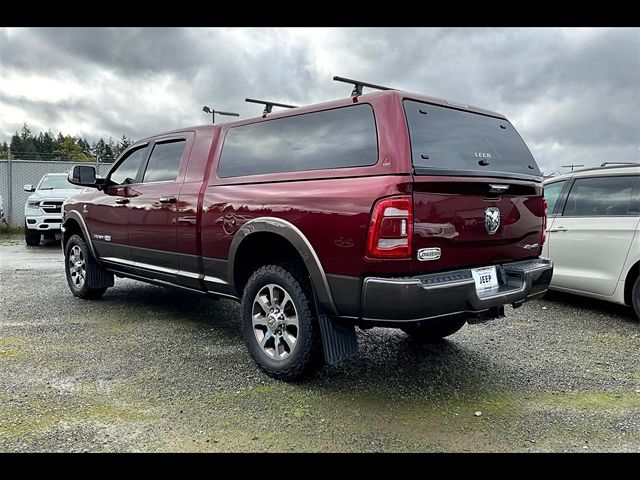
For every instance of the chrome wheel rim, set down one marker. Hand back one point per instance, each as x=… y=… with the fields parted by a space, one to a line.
x=275 y=322
x=77 y=267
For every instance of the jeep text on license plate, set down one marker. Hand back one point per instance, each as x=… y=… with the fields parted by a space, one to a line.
x=485 y=278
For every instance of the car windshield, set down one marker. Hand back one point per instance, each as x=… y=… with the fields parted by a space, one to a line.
x=49 y=182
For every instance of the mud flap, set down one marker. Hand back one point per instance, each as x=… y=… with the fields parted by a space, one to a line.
x=98 y=277
x=339 y=341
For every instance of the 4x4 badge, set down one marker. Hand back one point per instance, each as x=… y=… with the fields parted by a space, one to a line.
x=492 y=219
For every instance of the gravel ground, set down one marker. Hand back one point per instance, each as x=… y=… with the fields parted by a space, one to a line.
x=151 y=369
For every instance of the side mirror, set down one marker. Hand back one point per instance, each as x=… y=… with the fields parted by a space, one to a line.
x=29 y=188
x=83 y=175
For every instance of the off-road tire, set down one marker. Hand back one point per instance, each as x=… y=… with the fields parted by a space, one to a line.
x=306 y=358
x=434 y=330
x=90 y=266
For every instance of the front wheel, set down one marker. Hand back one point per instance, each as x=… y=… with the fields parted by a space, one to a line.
x=78 y=265
x=434 y=330
x=279 y=323
x=31 y=237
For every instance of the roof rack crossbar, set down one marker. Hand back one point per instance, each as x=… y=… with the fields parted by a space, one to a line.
x=268 y=106
x=213 y=112
x=604 y=164
x=610 y=165
x=357 y=85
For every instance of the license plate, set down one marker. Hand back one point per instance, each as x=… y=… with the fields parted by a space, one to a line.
x=485 y=278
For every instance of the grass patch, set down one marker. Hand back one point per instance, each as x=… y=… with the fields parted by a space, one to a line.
x=33 y=417
x=4 y=230
x=112 y=412
x=11 y=347
x=591 y=401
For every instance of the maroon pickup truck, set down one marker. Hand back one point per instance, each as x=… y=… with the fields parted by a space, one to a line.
x=386 y=209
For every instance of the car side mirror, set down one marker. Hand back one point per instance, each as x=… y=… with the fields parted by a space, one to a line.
x=29 y=188
x=83 y=175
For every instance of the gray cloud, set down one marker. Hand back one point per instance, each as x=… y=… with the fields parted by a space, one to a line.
x=574 y=94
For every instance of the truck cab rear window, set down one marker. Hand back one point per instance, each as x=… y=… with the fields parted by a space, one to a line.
x=446 y=141
x=338 y=138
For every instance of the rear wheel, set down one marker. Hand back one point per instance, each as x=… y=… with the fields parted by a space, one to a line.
x=31 y=237
x=436 y=329
x=78 y=264
x=279 y=323
x=635 y=297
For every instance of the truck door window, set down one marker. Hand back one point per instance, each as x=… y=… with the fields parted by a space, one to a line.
x=164 y=162
x=127 y=170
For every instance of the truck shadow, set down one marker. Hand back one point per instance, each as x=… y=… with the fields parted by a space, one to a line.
x=168 y=304
x=388 y=361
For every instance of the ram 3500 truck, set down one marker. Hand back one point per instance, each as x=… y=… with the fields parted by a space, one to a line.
x=387 y=209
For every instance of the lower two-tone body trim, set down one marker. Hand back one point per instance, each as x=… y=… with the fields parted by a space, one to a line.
x=197 y=282
x=203 y=273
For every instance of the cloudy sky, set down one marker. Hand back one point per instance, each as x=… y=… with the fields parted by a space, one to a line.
x=574 y=94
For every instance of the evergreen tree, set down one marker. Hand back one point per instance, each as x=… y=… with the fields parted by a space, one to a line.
x=48 y=143
x=47 y=146
x=25 y=133
x=123 y=144
x=44 y=145
x=59 y=140
x=99 y=150
x=28 y=150
x=110 y=148
x=84 y=144
x=16 y=143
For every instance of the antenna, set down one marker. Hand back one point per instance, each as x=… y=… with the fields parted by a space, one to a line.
x=268 y=106
x=213 y=113
x=357 y=85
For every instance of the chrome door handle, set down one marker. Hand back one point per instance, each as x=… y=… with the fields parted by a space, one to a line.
x=122 y=201
x=168 y=200
x=190 y=220
x=558 y=229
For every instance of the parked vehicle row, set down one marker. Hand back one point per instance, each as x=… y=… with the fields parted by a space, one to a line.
x=388 y=209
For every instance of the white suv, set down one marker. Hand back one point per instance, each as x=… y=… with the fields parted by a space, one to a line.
x=43 y=210
x=593 y=233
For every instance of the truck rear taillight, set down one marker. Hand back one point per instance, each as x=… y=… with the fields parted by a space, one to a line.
x=391 y=228
x=543 y=238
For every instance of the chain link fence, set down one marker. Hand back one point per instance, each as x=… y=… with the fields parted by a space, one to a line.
x=15 y=174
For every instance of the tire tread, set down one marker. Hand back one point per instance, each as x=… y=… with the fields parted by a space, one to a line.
x=92 y=270
x=311 y=348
